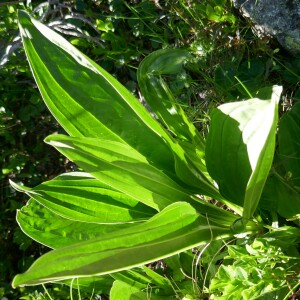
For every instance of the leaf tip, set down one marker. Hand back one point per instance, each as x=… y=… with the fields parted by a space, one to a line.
x=24 y=20
x=18 y=187
x=16 y=282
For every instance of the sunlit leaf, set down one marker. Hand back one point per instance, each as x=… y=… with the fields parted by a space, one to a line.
x=176 y=228
x=81 y=197
x=121 y=167
x=240 y=148
x=54 y=231
x=85 y=99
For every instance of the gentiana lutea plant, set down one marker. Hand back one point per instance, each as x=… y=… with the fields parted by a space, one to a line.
x=143 y=193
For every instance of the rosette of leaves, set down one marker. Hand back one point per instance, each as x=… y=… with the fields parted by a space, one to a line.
x=142 y=193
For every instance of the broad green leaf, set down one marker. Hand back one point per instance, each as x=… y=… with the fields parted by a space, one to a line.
x=289 y=143
x=213 y=212
x=195 y=155
x=54 y=231
x=89 y=102
x=188 y=171
x=85 y=99
x=126 y=170
x=161 y=99
x=81 y=197
x=189 y=147
x=176 y=228
x=279 y=195
x=240 y=148
x=121 y=167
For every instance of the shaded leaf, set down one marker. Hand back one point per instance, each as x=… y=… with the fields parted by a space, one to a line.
x=189 y=146
x=161 y=99
x=289 y=143
x=123 y=291
x=279 y=195
x=143 y=278
x=92 y=285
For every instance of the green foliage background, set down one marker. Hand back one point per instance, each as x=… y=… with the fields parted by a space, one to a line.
x=230 y=63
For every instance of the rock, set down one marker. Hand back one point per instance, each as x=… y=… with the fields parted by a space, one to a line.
x=278 y=18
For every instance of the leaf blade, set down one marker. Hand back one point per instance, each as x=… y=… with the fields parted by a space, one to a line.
x=76 y=88
x=240 y=148
x=160 y=98
x=288 y=140
x=54 y=231
x=177 y=228
x=121 y=167
x=79 y=196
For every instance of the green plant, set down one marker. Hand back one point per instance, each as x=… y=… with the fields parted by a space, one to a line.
x=144 y=189
x=24 y=119
x=252 y=272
